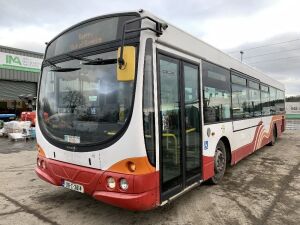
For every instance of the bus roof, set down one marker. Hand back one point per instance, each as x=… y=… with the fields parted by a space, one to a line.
x=185 y=42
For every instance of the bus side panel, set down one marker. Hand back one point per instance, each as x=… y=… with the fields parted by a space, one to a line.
x=210 y=141
x=243 y=141
x=258 y=136
x=250 y=136
x=269 y=123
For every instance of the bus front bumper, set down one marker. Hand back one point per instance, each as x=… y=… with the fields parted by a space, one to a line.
x=142 y=193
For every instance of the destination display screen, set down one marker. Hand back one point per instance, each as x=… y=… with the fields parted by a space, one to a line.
x=89 y=34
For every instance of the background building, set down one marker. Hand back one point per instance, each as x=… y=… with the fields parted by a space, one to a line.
x=293 y=115
x=292 y=110
x=19 y=75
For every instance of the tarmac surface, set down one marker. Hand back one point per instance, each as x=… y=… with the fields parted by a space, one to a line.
x=264 y=188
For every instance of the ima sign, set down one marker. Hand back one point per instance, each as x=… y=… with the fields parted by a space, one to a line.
x=11 y=60
x=19 y=62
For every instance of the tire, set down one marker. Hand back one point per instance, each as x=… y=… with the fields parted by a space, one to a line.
x=220 y=162
x=274 y=136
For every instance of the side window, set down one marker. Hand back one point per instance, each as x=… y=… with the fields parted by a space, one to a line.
x=265 y=100
x=254 y=99
x=191 y=84
x=148 y=103
x=272 y=100
x=239 y=97
x=279 y=106
x=216 y=93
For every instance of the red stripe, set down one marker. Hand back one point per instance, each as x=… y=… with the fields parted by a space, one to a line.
x=208 y=167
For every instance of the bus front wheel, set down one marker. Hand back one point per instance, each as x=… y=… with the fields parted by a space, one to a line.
x=219 y=163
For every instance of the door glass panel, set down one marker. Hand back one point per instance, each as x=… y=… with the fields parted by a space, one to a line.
x=192 y=120
x=170 y=122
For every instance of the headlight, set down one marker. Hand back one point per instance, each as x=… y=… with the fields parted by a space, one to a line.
x=123 y=184
x=111 y=183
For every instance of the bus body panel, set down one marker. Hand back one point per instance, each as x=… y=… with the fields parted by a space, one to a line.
x=141 y=195
x=92 y=169
x=242 y=142
x=121 y=149
x=212 y=134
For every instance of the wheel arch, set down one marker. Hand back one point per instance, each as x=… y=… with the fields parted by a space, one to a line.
x=276 y=128
x=226 y=142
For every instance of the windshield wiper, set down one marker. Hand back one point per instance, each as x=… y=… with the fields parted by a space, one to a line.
x=56 y=68
x=97 y=61
x=101 y=62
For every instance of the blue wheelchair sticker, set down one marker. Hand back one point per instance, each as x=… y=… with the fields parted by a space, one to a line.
x=205 y=145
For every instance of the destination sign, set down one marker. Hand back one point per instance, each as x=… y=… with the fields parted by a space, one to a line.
x=86 y=35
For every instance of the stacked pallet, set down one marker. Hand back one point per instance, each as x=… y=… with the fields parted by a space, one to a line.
x=17 y=130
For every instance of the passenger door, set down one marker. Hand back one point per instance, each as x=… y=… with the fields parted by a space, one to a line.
x=179 y=118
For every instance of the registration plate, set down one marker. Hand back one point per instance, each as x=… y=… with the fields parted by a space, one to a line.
x=72 y=186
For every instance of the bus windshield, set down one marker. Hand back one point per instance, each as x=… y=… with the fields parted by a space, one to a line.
x=83 y=106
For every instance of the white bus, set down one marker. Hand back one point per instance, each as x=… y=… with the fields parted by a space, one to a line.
x=134 y=112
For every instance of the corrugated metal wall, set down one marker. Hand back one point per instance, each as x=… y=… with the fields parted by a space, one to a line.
x=7 y=74
x=10 y=90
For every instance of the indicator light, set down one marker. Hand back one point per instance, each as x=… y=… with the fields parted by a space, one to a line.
x=131 y=166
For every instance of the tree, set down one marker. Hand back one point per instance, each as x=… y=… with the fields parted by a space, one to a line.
x=293 y=99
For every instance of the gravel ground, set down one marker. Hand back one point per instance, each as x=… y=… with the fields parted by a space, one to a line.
x=264 y=188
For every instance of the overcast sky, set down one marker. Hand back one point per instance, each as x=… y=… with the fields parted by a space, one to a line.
x=230 y=25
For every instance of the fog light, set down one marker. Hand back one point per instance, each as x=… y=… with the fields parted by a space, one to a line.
x=111 y=183
x=123 y=184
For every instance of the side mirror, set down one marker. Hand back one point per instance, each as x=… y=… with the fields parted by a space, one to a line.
x=126 y=68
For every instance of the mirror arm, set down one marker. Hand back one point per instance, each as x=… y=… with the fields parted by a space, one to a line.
x=158 y=31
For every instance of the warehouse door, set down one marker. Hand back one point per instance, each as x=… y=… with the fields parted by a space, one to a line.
x=9 y=96
x=10 y=90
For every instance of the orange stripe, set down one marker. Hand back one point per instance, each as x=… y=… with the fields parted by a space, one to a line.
x=141 y=163
x=260 y=138
x=41 y=152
